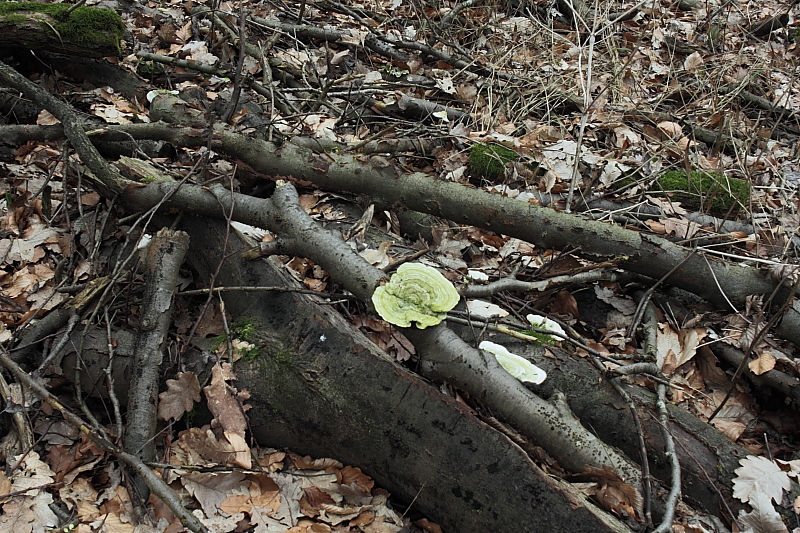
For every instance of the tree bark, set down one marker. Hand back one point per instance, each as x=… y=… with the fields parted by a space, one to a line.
x=162 y=263
x=320 y=387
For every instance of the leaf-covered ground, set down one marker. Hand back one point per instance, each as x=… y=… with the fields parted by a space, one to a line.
x=674 y=118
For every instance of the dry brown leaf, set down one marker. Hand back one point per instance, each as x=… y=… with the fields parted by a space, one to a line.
x=764 y=363
x=680 y=227
x=90 y=199
x=113 y=523
x=236 y=503
x=671 y=129
x=211 y=489
x=265 y=492
x=565 y=304
x=224 y=404
x=211 y=324
x=398 y=345
x=46 y=118
x=181 y=395
x=315 y=497
x=198 y=446
x=272 y=461
x=764 y=518
x=759 y=475
x=612 y=491
x=5 y=485
x=353 y=477
x=693 y=62
x=308 y=463
x=614 y=500
x=709 y=368
x=362 y=520
x=428 y=526
x=656 y=227
x=668 y=344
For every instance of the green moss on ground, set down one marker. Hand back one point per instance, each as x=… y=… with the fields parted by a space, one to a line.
x=488 y=161
x=244 y=330
x=86 y=26
x=150 y=68
x=703 y=191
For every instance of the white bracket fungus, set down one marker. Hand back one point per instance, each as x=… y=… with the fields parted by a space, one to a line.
x=517 y=366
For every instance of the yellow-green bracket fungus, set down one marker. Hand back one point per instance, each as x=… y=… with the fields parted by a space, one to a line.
x=517 y=366
x=415 y=293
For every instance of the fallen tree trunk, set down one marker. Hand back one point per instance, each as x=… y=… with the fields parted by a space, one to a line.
x=322 y=388
x=309 y=384
x=314 y=368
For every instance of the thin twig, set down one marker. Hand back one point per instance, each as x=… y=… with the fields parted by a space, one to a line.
x=217 y=290
x=675 y=472
x=637 y=316
x=109 y=370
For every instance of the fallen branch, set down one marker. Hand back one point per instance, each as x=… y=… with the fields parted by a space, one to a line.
x=164 y=257
x=156 y=485
x=720 y=282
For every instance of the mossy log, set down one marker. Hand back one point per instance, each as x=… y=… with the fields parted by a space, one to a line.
x=86 y=31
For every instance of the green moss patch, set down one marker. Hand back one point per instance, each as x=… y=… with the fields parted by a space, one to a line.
x=86 y=26
x=543 y=338
x=703 y=191
x=245 y=329
x=488 y=161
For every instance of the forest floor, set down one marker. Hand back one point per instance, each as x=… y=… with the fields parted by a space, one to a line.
x=677 y=119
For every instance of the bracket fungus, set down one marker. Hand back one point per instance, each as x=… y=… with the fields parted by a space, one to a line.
x=517 y=366
x=415 y=293
x=542 y=322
